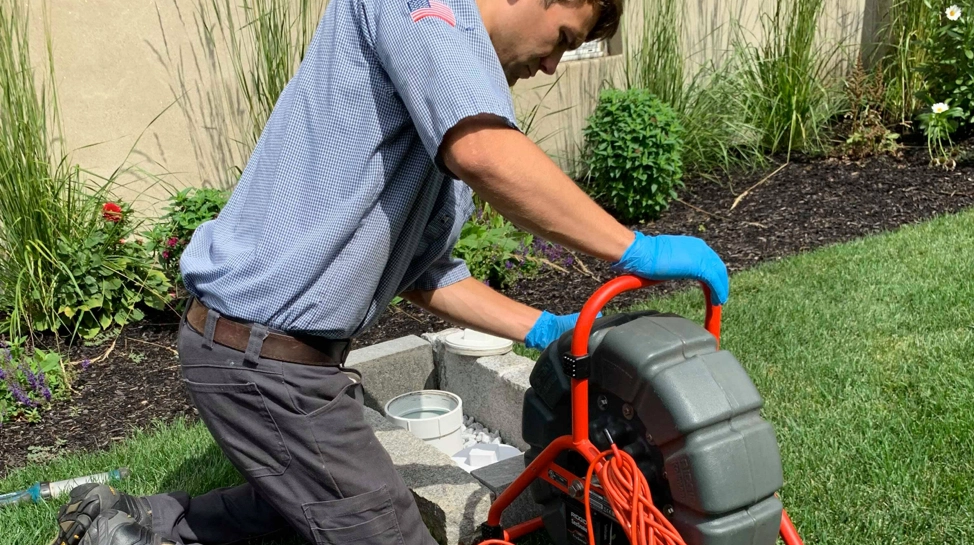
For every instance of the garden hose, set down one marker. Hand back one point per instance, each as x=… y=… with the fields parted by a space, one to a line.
x=41 y=491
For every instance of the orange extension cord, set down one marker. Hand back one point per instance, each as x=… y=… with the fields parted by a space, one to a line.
x=628 y=494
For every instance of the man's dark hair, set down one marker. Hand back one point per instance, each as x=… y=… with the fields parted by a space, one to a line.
x=610 y=13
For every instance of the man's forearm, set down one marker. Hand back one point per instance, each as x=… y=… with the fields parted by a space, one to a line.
x=516 y=177
x=469 y=303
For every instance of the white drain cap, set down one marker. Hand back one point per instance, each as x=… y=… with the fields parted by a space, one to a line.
x=469 y=342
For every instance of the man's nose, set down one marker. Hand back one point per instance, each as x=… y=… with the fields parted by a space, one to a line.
x=550 y=63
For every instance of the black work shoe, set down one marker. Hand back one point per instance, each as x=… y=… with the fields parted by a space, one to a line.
x=88 y=501
x=117 y=528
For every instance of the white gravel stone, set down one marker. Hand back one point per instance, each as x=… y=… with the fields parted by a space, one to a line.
x=473 y=432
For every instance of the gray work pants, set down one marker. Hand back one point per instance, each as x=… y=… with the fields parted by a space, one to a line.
x=300 y=439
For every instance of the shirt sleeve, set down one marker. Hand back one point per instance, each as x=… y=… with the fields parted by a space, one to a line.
x=446 y=268
x=444 y=271
x=441 y=63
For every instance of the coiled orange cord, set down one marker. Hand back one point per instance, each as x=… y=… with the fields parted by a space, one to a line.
x=628 y=493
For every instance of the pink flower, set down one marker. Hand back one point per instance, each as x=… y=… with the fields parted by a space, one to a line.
x=172 y=242
x=165 y=255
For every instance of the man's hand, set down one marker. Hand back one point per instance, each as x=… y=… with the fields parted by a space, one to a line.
x=668 y=257
x=469 y=303
x=548 y=328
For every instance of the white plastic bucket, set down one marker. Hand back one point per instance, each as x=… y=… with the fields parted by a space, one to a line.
x=434 y=416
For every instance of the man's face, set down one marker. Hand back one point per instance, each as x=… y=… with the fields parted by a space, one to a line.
x=529 y=37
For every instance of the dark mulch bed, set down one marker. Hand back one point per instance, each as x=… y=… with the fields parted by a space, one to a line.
x=804 y=206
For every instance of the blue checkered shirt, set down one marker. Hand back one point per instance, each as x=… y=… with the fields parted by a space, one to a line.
x=344 y=202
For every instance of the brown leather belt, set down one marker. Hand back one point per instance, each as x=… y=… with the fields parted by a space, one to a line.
x=306 y=350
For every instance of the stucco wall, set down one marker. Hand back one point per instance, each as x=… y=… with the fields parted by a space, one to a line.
x=707 y=35
x=117 y=71
x=111 y=84
x=120 y=67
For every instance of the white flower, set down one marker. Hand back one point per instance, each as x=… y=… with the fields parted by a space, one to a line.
x=953 y=13
x=940 y=108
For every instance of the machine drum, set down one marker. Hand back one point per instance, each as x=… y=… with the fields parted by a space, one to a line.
x=686 y=412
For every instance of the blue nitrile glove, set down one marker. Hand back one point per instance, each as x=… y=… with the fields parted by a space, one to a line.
x=548 y=328
x=670 y=257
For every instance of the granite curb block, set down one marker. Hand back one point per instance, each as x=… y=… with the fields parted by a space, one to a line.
x=453 y=503
x=492 y=387
x=392 y=368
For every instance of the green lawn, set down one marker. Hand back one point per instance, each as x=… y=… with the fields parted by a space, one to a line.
x=863 y=352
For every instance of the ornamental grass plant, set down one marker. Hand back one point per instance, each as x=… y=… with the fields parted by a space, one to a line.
x=69 y=262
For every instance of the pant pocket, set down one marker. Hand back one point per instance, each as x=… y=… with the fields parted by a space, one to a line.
x=367 y=518
x=239 y=421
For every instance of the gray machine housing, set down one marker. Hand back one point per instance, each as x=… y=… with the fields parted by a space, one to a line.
x=687 y=412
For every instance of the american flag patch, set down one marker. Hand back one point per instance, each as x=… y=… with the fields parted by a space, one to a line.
x=421 y=9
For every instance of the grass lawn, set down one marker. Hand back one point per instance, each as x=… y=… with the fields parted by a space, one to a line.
x=863 y=353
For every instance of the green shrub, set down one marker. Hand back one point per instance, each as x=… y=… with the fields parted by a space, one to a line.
x=496 y=252
x=499 y=254
x=82 y=277
x=867 y=134
x=949 y=68
x=633 y=145
x=186 y=211
x=100 y=280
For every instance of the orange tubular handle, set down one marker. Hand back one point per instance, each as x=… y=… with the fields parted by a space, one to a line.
x=583 y=327
x=789 y=534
